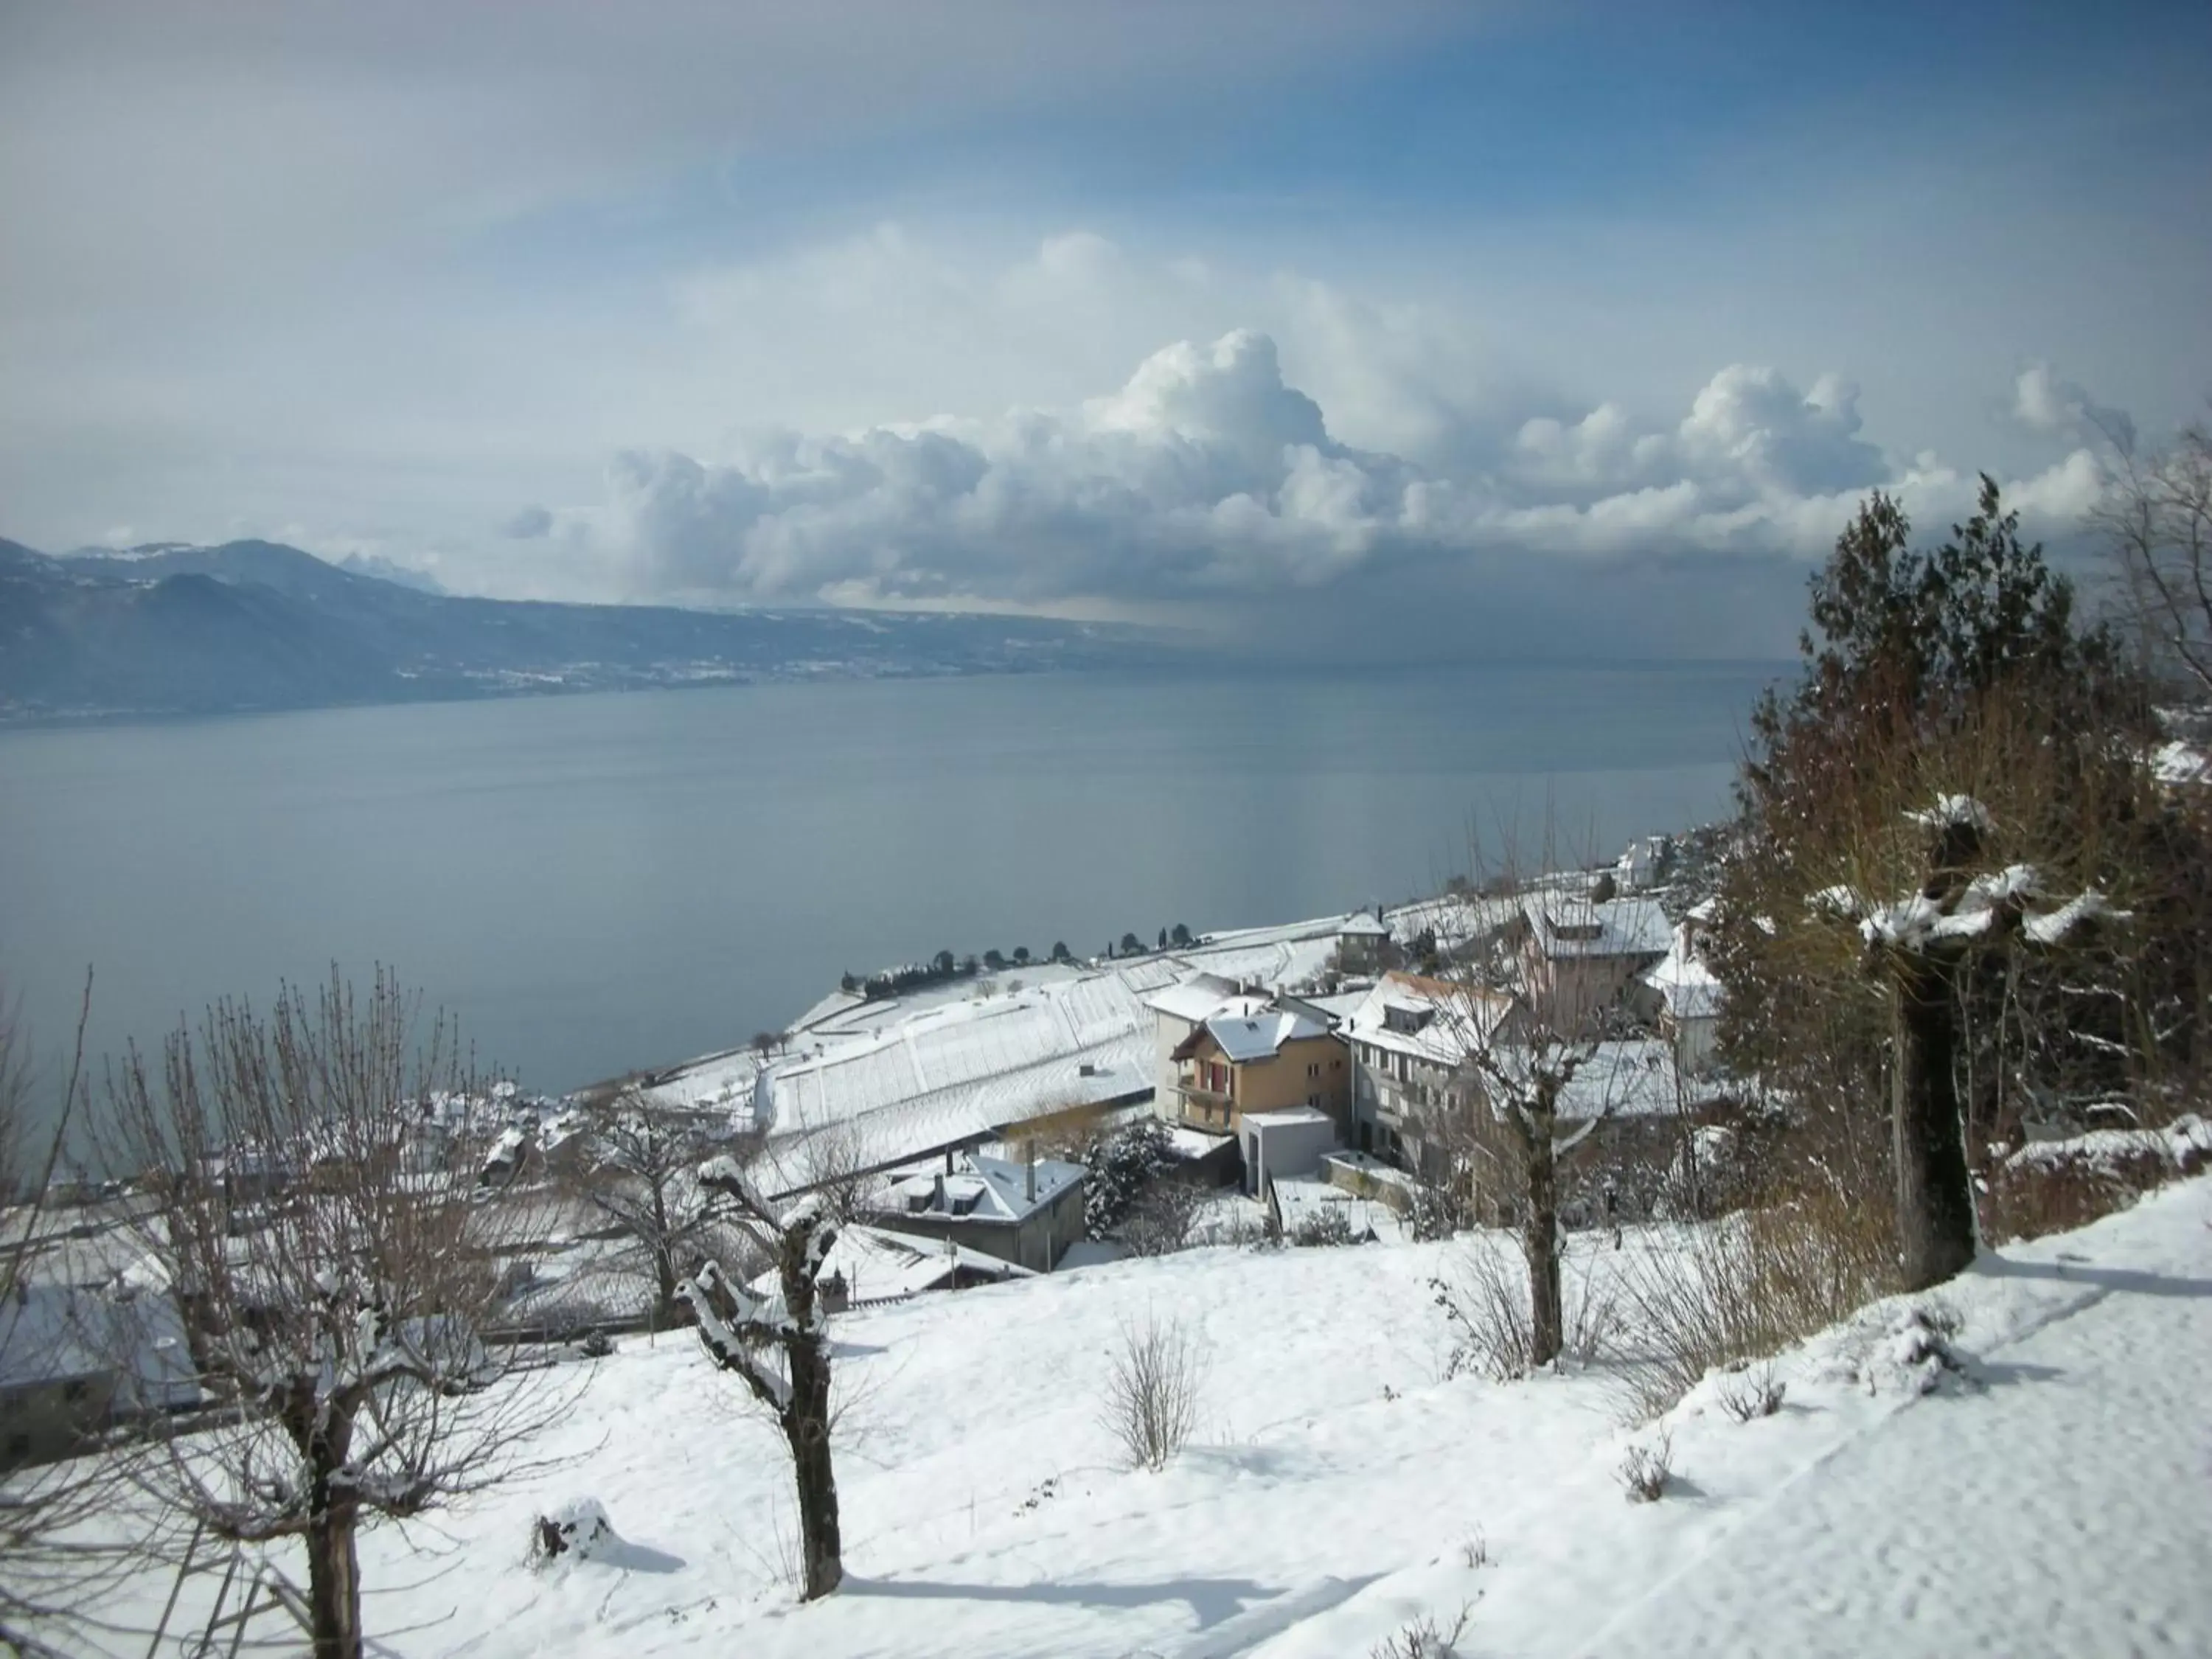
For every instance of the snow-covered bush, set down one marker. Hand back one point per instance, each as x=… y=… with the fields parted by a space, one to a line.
x=1152 y=1393
x=1324 y=1225
x=1122 y=1164
x=2056 y=1186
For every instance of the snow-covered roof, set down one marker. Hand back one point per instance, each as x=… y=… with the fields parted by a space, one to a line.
x=1194 y=999
x=878 y=1265
x=1258 y=1034
x=1363 y=925
x=1688 y=988
x=985 y=1188
x=1637 y=1077
x=1447 y=1021
x=1286 y=1117
x=2180 y=762
x=1569 y=926
x=59 y=1333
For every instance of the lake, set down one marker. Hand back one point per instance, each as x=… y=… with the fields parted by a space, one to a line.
x=594 y=884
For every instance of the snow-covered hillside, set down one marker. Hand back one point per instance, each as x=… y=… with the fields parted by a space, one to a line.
x=2048 y=1490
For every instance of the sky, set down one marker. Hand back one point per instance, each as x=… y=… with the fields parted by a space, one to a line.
x=1391 y=326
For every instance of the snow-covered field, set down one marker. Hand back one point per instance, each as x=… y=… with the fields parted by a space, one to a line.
x=901 y=1076
x=2051 y=1493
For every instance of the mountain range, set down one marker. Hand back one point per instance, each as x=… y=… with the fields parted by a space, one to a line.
x=175 y=629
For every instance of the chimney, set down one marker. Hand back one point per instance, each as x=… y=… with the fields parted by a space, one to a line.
x=1030 y=1145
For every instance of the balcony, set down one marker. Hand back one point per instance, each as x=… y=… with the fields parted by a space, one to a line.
x=1204 y=1109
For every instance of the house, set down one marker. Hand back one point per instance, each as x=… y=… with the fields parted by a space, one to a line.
x=1582 y=958
x=1177 y=1011
x=1253 y=1057
x=1689 y=998
x=870 y=1265
x=1410 y=1040
x=74 y=1360
x=1026 y=1213
x=1361 y=943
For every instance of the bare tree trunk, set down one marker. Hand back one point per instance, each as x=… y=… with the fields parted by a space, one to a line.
x=1934 y=1189
x=334 y=1584
x=1540 y=1244
x=806 y=1426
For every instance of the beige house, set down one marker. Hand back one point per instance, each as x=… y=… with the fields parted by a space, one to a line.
x=1177 y=1011
x=1255 y=1059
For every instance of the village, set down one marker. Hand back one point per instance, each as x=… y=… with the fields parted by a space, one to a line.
x=1309 y=1082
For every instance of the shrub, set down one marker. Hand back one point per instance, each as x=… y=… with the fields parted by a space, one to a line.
x=1746 y=1288
x=1153 y=1394
x=1424 y=1638
x=1161 y=1220
x=1644 y=1468
x=1324 y=1225
x=1747 y=1392
x=1486 y=1305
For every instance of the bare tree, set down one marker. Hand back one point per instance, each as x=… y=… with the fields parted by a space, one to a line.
x=643 y=1177
x=331 y=1275
x=778 y=1345
x=2157 y=523
x=1517 y=1101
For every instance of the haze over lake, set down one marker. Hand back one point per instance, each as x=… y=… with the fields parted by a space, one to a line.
x=597 y=883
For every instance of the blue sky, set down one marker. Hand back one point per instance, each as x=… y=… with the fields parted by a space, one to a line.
x=1246 y=312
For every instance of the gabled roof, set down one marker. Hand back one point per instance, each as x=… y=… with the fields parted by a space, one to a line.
x=1195 y=1000
x=1247 y=1035
x=991 y=1188
x=878 y=1265
x=1453 y=1018
x=1363 y=925
x=1569 y=926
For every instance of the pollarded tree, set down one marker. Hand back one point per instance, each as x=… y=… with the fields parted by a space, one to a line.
x=777 y=1343
x=331 y=1274
x=1950 y=864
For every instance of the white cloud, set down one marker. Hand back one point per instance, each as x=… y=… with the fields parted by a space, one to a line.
x=2050 y=407
x=1206 y=475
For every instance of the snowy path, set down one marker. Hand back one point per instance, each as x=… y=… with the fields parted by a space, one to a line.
x=2063 y=1507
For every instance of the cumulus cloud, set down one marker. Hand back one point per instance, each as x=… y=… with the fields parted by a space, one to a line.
x=2050 y=407
x=1207 y=475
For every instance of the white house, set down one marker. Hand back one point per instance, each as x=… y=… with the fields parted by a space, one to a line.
x=1410 y=1038
x=1689 y=998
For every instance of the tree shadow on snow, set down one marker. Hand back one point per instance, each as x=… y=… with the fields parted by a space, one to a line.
x=2127 y=1279
x=1211 y=1599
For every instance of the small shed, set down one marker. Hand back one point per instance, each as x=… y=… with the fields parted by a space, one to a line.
x=1291 y=1141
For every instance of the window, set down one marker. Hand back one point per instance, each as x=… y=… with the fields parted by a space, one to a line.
x=1313 y=1068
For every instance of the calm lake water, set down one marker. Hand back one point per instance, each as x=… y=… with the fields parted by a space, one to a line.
x=594 y=884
